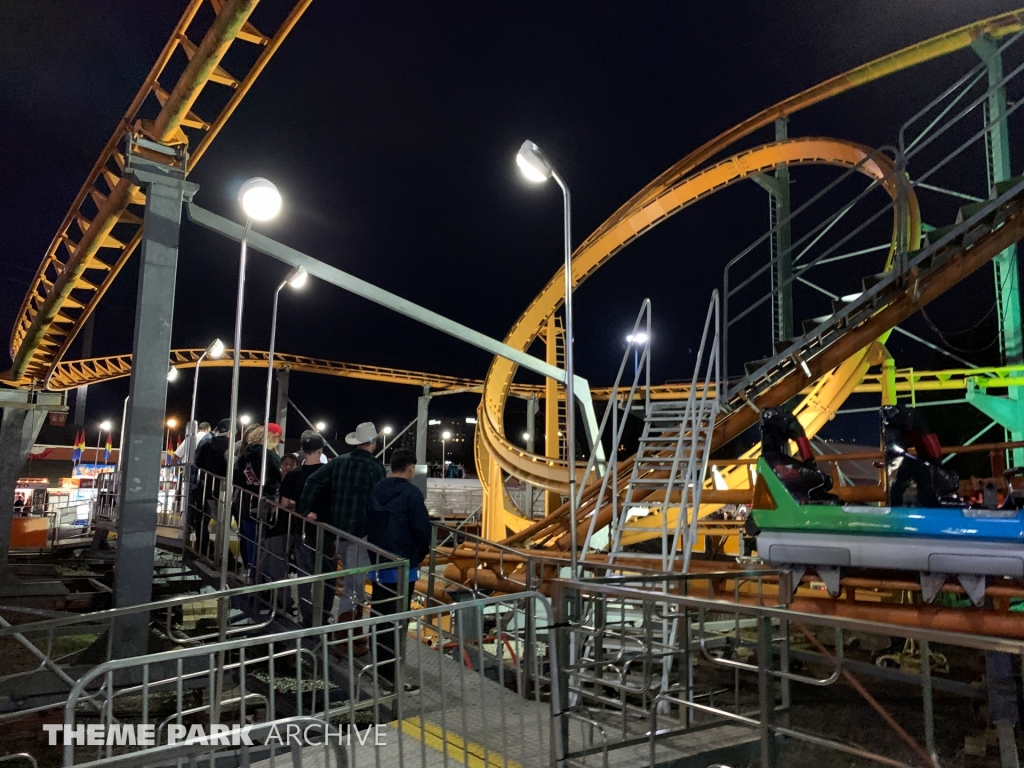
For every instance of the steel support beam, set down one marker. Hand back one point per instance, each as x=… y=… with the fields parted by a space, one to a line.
x=166 y=190
x=531 y=434
x=1005 y=265
x=283 y=375
x=422 y=421
x=82 y=393
x=23 y=417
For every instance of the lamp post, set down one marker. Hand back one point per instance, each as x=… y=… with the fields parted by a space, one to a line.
x=260 y=201
x=536 y=168
x=215 y=350
x=637 y=340
x=105 y=426
x=171 y=424
x=296 y=279
x=384 y=449
x=445 y=436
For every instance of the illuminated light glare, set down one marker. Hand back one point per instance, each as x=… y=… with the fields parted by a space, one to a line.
x=172 y=374
x=446 y=436
x=105 y=425
x=320 y=426
x=637 y=338
x=434 y=422
x=216 y=349
x=259 y=199
x=298 y=278
x=470 y=420
x=532 y=163
x=526 y=435
x=172 y=423
x=387 y=430
x=244 y=419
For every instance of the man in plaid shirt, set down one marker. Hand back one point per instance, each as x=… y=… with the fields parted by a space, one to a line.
x=350 y=478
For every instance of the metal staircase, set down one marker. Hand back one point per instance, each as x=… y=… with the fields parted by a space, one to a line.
x=671 y=461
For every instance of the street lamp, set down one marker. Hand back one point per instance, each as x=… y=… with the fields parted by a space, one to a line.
x=260 y=201
x=172 y=374
x=105 y=426
x=171 y=424
x=445 y=436
x=637 y=340
x=245 y=419
x=320 y=426
x=536 y=168
x=384 y=449
x=296 y=279
x=215 y=350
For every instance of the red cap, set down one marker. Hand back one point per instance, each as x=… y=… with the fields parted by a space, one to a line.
x=274 y=429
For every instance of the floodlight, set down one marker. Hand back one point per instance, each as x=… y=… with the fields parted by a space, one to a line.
x=532 y=162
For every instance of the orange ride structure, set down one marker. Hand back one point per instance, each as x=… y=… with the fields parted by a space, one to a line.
x=103 y=228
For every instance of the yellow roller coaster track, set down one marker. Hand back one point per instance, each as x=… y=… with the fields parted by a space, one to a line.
x=101 y=230
x=667 y=194
x=70 y=374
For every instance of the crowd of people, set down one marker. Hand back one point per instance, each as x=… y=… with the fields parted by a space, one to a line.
x=278 y=501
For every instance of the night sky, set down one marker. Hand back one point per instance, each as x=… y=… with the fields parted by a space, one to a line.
x=391 y=129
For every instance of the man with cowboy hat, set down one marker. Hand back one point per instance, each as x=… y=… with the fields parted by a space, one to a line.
x=351 y=479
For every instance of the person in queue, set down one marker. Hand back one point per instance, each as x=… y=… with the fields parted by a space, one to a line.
x=288 y=462
x=246 y=475
x=210 y=458
x=304 y=536
x=350 y=478
x=398 y=523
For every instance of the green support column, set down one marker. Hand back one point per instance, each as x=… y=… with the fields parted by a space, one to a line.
x=1007 y=280
x=777 y=187
x=782 y=307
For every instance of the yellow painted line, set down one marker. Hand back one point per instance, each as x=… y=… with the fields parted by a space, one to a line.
x=466 y=752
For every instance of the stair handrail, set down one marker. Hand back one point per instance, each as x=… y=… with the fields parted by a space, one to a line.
x=641 y=371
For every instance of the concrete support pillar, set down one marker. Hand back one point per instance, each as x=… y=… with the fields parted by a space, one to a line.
x=531 y=430
x=166 y=189
x=282 y=404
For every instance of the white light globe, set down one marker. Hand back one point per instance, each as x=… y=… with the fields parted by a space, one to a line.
x=216 y=349
x=244 y=419
x=105 y=426
x=172 y=374
x=532 y=163
x=320 y=426
x=446 y=436
x=387 y=430
x=259 y=199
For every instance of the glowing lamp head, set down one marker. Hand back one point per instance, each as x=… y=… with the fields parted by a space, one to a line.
x=216 y=349
x=446 y=436
x=387 y=430
x=526 y=435
x=320 y=426
x=244 y=419
x=637 y=338
x=532 y=163
x=105 y=425
x=172 y=374
x=172 y=423
x=259 y=199
x=297 y=278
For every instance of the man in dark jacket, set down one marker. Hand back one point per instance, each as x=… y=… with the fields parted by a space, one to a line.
x=206 y=489
x=398 y=523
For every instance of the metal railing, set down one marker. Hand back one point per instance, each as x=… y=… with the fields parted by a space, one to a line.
x=461 y=688
x=618 y=691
